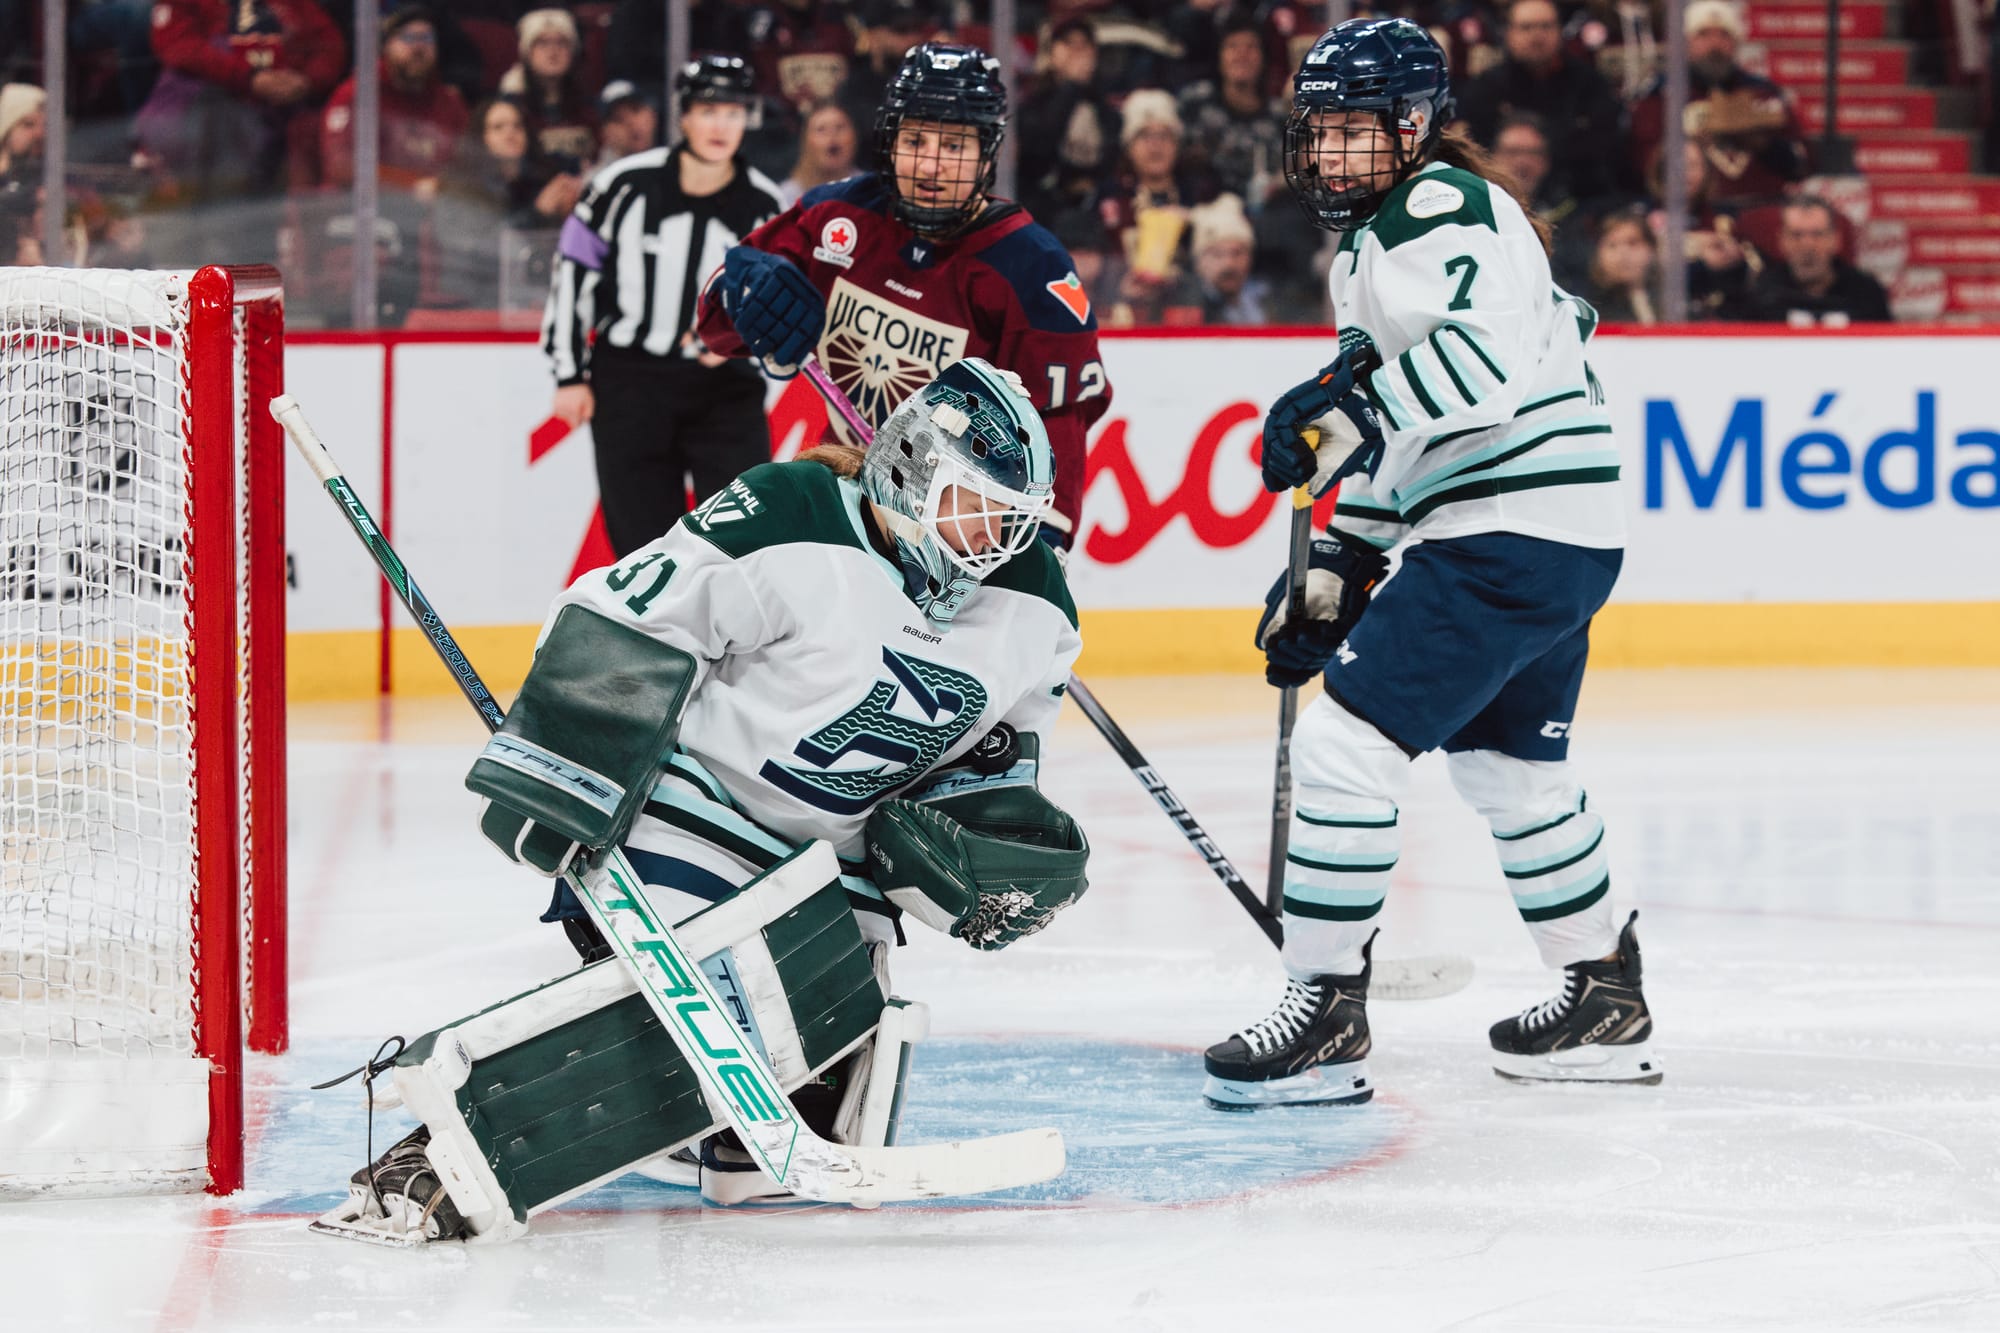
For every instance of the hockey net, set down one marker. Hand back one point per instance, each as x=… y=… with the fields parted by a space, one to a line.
x=141 y=723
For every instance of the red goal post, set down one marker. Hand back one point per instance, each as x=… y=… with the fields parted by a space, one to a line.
x=142 y=722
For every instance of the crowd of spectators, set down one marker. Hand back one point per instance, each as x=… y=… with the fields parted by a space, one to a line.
x=1149 y=137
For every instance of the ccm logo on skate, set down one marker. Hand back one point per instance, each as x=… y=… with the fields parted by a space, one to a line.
x=1604 y=1025
x=1339 y=1040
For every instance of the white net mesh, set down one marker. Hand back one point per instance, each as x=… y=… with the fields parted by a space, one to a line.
x=96 y=811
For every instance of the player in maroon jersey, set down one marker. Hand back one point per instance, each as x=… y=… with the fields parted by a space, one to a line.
x=893 y=276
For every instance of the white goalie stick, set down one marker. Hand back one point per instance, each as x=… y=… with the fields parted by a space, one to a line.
x=734 y=1074
x=1429 y=977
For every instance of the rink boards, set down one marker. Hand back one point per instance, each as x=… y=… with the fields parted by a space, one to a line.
x=1791 y=497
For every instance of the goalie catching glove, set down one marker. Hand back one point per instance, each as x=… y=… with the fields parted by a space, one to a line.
x=989 y=864
x=569 y=769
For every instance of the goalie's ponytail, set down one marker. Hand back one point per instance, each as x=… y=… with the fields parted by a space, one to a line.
x=843 y=460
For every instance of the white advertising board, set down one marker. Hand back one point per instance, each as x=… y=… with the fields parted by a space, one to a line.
x=1757 y=468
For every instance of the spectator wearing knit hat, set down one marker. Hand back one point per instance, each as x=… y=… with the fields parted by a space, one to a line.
x=94 y=232
x=1745 y=124
x=21 y=132
x=1148 y=207
x=562 y=114
x=23 y=125
x=1220 y=288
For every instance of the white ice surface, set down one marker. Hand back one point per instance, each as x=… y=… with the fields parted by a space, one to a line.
x=1817 y=861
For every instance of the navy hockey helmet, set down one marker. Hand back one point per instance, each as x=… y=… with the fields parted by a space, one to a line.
x=951 y=85
x=1390 y=68
x=964 y=474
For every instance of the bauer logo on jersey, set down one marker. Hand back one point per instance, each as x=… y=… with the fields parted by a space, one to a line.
x=1075 y=299
x=836 y=242
x=880 y=352
x=1434 y=199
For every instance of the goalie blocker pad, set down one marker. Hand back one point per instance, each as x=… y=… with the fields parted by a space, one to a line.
x=595 y=719
x=556 y=1091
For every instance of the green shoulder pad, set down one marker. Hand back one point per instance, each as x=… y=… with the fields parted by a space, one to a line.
x=1036 y=573
x=773 y=504
x=1433 y=199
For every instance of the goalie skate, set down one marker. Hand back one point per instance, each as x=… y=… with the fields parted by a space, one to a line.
x=398 y=1200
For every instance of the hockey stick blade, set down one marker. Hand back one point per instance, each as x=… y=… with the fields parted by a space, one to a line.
x=1426 y=977
x=734 y=1074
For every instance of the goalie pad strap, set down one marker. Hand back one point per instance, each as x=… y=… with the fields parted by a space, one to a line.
x=595 y=719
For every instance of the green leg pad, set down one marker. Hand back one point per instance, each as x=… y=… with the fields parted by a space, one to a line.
x=829 y=981
x=582 y=1101
x=576 y=1081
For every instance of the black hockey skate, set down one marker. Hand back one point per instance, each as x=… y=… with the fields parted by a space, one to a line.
x=1597 y=1031
x=1312 y=1051
x=396 y=1200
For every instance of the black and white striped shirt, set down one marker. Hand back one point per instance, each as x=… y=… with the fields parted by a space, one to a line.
x=633 y=255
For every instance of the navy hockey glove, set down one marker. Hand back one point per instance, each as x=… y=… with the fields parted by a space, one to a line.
x=776 y=311
x=1350 y=442
x=1340 y=573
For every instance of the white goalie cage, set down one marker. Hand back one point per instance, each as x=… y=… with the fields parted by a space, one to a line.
x=142 y=749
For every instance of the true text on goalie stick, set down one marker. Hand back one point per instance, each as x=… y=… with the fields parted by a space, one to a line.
x=1395 y=979
x=733 y=1072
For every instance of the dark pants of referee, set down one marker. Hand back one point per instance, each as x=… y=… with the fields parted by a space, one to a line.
x=659 y=423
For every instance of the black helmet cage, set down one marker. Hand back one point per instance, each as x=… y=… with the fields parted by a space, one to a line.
x=1357 y=67
x=952 y=85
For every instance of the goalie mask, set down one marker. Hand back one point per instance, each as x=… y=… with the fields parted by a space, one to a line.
x=965 y=475
x=1368 y=104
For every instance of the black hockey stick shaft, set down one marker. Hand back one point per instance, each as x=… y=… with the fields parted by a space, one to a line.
x=1299 y=553
x=1156 y=787
x=1288 y=708
x=287 y=412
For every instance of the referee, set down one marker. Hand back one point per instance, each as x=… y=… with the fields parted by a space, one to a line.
x=619 y=328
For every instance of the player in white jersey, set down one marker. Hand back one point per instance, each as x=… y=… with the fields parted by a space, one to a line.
x=847 y=659
x=1479 y=528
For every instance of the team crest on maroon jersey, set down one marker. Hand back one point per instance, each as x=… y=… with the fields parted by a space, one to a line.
x=836 y=242
x=880 y=351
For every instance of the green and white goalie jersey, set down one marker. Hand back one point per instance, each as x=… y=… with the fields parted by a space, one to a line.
x=1492 y=420
x=822 y=689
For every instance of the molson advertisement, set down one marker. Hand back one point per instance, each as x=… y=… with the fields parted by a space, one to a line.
x=1790 y=498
